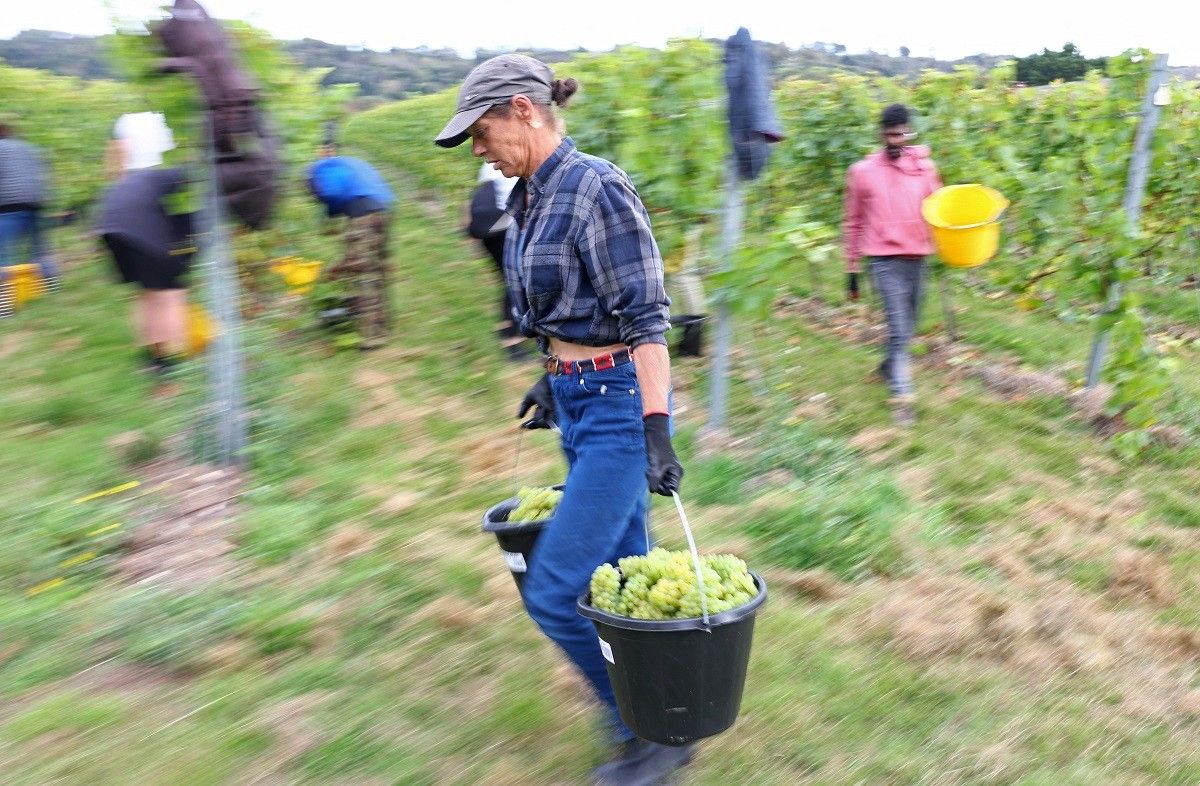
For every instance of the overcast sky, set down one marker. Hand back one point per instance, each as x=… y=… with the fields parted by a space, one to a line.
x=936 y=27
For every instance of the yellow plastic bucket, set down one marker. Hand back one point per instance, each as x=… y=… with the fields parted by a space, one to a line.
x=201 y=329
x=965 y=221
x=302 y=276
x=26 y=282
x=283 y=264
x=298 y=274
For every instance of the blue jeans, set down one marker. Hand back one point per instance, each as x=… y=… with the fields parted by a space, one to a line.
x=899 y=282
x=601 y=518
x=21 y=228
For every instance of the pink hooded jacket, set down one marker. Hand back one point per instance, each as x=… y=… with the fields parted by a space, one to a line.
x=883 y=205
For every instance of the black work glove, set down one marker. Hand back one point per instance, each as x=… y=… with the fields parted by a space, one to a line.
x=664 y=471
x=538 y=396
x=852 y=285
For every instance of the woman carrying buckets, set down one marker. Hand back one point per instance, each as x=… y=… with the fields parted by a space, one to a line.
x=586 y=279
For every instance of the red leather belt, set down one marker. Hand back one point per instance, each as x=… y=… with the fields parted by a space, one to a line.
x=555 y=365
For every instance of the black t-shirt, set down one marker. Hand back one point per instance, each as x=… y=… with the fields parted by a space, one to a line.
x=484 y=213
x=134 y=208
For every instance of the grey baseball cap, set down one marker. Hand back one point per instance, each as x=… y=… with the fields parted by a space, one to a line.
x=494 y=82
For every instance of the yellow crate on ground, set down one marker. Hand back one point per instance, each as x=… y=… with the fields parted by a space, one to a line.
x=26 y=282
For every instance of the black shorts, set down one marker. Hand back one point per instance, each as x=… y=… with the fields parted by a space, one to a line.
x=138 y=265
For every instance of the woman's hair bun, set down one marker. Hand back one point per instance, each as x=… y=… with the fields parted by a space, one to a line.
x=561 y=90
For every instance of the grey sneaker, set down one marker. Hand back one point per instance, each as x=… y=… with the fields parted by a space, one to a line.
x=642 y=763
x=904 y=412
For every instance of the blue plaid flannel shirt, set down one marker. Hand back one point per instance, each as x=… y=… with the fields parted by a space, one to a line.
x=580 y=260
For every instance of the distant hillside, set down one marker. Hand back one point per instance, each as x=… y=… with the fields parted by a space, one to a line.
x=61 y=53
x=399 y=73
x=818 y=60
x=393 y=74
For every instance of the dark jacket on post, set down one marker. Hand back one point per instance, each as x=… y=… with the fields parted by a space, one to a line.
x=247 y=154
x=752 y=120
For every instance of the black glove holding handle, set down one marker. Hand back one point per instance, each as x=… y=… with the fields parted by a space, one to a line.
x=541 y=397
x=663 y=471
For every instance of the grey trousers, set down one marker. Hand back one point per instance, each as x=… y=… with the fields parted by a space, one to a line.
x=900 y=283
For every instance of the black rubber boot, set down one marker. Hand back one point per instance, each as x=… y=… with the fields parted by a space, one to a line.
x=642 y=763
x=147 y=360
x=167 y=366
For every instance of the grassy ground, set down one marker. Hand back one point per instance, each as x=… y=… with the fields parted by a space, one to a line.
x=1000 y=600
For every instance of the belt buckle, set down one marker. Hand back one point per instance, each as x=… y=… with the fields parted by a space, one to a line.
x=553 y=365
x=605 y=361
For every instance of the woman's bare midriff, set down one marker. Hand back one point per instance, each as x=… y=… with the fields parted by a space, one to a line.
x=565 y=350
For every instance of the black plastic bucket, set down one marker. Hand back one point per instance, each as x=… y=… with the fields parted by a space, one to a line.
x=516 y=538
x=333 y=311
x=691 y=343
x=674 y=681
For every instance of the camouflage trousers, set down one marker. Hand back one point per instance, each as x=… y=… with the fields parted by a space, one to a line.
x=365 y=266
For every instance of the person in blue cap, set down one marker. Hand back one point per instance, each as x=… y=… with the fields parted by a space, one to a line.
x=350 y=187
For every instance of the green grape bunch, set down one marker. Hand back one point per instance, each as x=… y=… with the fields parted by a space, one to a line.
x=662 y=585
x=535 y=504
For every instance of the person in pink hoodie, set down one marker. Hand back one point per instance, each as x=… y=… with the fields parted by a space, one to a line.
x=883 y=222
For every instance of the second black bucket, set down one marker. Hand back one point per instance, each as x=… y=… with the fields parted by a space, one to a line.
x=334 y=311
x=692 y=341
x=516 y=538
x=674 y=680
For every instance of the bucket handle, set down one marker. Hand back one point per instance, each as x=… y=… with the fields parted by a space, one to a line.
x=970 y=226
x=994 y=219
x=520 y=436
x=687 y=530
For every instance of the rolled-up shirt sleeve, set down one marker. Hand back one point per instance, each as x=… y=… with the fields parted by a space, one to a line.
x=622 y=260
